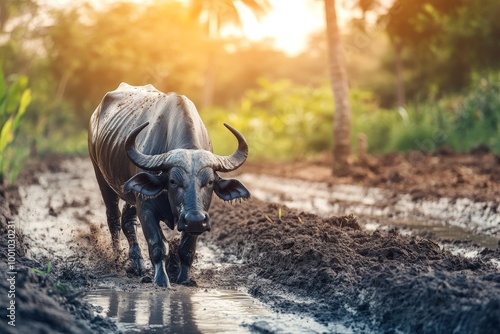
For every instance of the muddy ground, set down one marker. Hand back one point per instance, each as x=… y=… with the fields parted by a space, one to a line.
x=423 y=175
x=42 y=304
x=328 y=268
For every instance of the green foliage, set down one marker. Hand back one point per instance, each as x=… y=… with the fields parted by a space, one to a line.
x=283 y=121
x=43 y=272
x=372 y=121
x=280 y=120
x=63 y=288
x=444 y=42
x=459 y=122
x=56 y=129
x=477 y=116
x=13 y=103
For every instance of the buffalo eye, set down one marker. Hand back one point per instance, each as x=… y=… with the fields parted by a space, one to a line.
x=210 y=183
x=173 y=183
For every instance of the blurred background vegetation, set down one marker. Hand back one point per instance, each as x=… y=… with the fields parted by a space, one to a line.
x=423 y=74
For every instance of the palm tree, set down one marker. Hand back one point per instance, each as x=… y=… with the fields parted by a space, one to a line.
x=214 y=14
x=340 y=88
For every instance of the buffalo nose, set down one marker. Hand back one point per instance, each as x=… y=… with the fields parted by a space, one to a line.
x=197 y=221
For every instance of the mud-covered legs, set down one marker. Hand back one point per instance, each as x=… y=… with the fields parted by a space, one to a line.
x=157 y=244
x=110 y=199
x=129 y=219
x=187 y=251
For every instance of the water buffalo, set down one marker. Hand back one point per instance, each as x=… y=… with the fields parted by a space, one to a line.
x=152 y=150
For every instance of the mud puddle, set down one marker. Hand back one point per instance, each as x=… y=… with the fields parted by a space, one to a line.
x=194 y=310
x=445 y=219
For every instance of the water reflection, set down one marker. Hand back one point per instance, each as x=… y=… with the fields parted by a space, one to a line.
x=192 y=310
x=149 y=311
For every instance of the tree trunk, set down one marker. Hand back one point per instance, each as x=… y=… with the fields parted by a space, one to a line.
x=340 y=88
x=400 y=86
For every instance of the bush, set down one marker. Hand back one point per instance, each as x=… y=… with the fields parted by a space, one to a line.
x=477 y=117
x=13 y=103
x=280 y=121
x=459 y=122
x=283 y=121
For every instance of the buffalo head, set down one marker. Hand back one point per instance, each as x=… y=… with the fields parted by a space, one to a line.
x=190 y=177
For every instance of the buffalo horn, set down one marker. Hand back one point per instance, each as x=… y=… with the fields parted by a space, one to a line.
x=141 y=160
x=235 y=160
x=161 y=161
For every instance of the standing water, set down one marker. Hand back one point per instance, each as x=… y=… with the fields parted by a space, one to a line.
x=194 y=310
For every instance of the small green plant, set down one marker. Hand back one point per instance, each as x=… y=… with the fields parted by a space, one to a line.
x=62 y=287
x=13 y=103
x=43 y=272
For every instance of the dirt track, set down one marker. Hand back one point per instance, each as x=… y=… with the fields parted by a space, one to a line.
x=327 y=268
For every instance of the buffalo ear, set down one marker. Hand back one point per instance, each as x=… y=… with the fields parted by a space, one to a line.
x=146 y=184
x=230 y=189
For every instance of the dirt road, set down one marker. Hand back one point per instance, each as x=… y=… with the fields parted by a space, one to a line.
x=334 y=275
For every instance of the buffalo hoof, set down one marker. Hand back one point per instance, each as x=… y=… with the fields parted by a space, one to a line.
x=188 y=282
x=133 y=270
x=161 y=278
x=146 y=279
x=136 y=265
x=184 y=278
x=162 y=281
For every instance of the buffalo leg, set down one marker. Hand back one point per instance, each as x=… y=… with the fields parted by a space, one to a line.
x=157 y=244
x=187 y=251
x=112 y=211
x=129 y=219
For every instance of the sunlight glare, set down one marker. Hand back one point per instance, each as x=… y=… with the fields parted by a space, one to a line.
x=288 y=23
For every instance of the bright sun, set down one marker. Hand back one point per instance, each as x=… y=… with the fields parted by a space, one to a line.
x=288 y=23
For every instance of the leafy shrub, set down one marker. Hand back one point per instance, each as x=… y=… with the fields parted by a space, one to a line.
x=283 y=121
x=376 y=123
x=477 y=117
x=280 y=120
x=13 y=103
x=459 y=122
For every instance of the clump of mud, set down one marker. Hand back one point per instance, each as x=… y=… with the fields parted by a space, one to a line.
x=387 y=280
